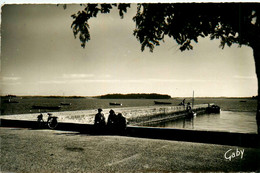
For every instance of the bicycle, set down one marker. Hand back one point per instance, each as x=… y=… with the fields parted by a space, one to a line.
x=52 y=121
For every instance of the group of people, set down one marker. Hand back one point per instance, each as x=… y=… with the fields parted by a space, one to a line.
x=188 y=108
x=114 y=121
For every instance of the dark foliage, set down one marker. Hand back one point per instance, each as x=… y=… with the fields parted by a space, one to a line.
x=80 y=24
x=184 y=22
x=135 y=96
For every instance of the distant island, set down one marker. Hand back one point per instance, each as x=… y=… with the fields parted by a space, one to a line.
x=135 y=96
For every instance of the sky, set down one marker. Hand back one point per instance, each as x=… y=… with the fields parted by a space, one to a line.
x=40 y=56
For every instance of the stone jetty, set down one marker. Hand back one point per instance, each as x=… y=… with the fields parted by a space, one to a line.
x=134 y=115
x=82 y=121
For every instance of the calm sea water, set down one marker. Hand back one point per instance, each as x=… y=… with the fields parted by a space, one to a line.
x=243 y=122
x=237 y=115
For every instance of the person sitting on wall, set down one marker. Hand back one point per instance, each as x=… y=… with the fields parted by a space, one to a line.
x=100 y=119
x=112 y=119
x=121 y=123
x=40 y=118
x=188 y=107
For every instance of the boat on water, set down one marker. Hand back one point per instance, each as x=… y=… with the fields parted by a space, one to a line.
x=46 y=107
x=191 y=114
x=161 y=103
x=65 y=104
x=115 y=104
x=213 y=109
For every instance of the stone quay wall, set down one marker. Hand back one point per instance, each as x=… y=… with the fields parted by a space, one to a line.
x=134 y=115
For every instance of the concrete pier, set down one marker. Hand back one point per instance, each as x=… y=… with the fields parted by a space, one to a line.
x=82 y=121
x=134 y=115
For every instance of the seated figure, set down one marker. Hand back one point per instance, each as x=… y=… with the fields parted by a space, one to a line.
x=100 y=119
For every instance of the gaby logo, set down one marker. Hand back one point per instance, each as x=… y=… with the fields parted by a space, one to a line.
x=231 y=154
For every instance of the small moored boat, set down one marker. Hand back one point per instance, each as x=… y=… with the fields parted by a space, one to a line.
x=161 y=103
x=46 y=107
x=115 y=104
x=65 y=104
x=213 y=109
x=191 y=114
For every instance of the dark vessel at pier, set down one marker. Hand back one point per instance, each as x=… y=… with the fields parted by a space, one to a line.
x=162 y=103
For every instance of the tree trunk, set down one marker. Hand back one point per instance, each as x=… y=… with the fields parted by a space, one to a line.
x=257 y=69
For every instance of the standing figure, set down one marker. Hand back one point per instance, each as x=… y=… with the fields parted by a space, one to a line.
x=100 y=119
x=182 y=103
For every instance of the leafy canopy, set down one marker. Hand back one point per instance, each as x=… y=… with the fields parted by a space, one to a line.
x=184 y=22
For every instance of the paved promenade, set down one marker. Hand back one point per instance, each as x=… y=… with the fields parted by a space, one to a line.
x=25 y=150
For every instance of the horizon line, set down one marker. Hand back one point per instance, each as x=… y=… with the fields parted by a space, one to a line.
x=125 y=94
